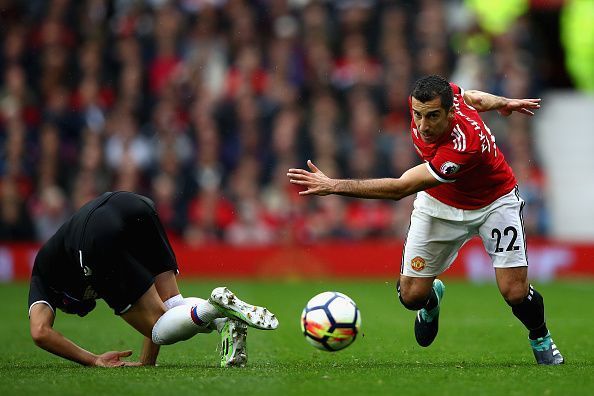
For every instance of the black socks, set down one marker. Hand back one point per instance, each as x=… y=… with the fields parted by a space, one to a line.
x=531 y=313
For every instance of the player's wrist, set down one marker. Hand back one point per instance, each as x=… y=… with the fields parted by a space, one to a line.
x=92 y=360
x=504 y=102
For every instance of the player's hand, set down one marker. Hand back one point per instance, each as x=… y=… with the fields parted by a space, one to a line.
x=316 y=181
x=524 y=106
x=112 y=359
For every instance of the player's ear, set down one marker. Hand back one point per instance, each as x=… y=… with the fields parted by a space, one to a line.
x=451 y=113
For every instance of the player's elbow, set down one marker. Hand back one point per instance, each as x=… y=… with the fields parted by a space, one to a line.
x=401 y=190
x=398 y=195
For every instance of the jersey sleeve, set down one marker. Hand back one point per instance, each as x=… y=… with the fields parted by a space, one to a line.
x=449 y=164
x=40 y=293
x=456 y=89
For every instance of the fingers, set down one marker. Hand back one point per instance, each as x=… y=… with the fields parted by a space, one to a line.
x=297 y=172
x=312 y=181
x=300 y=182
x=299 y=176
x=125 y=353
x=530 y=103
x=524 y=110
x=534 y=101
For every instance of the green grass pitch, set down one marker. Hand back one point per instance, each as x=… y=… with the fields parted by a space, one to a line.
x=481 y=348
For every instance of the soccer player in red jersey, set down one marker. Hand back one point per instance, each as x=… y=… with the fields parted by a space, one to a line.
x=464 y=188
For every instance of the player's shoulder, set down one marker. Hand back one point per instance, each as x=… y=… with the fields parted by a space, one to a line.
x=463 y=137
x=456 y=89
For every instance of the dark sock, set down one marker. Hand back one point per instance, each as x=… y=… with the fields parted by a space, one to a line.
x=531 y=313
x=432 y=301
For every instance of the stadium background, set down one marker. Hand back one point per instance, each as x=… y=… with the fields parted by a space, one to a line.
x=203 y=105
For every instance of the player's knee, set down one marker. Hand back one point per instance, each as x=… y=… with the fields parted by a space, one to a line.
x=514 y=293
x=411 y=300
x=39 y=334
x=413 y=295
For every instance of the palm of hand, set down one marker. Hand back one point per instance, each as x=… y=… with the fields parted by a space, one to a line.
x=112 y=359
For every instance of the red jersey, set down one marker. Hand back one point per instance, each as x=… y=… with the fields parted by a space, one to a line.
x=466 y=159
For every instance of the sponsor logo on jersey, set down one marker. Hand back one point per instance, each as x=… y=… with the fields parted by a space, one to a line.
x=418 y=263
x=449 y=168
x=86 y=270
x=90 y=293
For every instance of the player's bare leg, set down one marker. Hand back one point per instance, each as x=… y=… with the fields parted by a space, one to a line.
x=143 y=315
x=166 y=285
x=512 y=283
x=528 y=306
x=145 y=312
x=423 y=295
x=414 y=291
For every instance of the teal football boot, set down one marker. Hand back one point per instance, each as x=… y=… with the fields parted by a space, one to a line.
x=546 y=352
x=427 y=322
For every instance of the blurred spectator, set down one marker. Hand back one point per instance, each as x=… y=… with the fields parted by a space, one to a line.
x=50 y=212
x=356 y=66
x=249 y=228
x=209 y=215
x=15 y=222
x=125 y=146
x=204 y=105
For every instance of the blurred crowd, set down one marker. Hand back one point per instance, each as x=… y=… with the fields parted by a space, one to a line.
x=203 y=105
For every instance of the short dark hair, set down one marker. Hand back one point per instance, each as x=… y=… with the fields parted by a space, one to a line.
x=429 y=87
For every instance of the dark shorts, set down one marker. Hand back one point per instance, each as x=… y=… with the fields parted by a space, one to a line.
x=125 y=246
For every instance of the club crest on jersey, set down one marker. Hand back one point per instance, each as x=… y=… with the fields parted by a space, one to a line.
x=449 y=168
x=418 y=263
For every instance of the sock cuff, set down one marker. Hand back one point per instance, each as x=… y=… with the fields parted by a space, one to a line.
x=193 y=301
x=204 y=313
x=173 y=301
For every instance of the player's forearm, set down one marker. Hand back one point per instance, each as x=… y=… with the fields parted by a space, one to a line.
x=483 y=101
x=56 y=343
x=149 y=353
x=386 y=188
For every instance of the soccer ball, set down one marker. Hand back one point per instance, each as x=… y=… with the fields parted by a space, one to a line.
x=330 y=321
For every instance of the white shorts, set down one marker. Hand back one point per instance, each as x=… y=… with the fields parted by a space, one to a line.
x=438 y=231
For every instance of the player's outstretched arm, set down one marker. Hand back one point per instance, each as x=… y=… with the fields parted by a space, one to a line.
x=483 y=101
x=41 y=324
x=317 y=183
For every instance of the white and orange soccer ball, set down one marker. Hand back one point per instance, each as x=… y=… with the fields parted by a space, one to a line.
x=330 y=321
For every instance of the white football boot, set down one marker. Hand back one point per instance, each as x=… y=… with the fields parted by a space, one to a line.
x=232 y=307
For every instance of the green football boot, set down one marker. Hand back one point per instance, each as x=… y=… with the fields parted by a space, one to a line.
x=233 y=348
x=427 y=322
x=227 y=303
x=545 y=351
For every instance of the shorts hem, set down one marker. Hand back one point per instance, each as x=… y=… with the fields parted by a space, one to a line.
x=129 y=303
x=415 y=275
x=511 y=266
